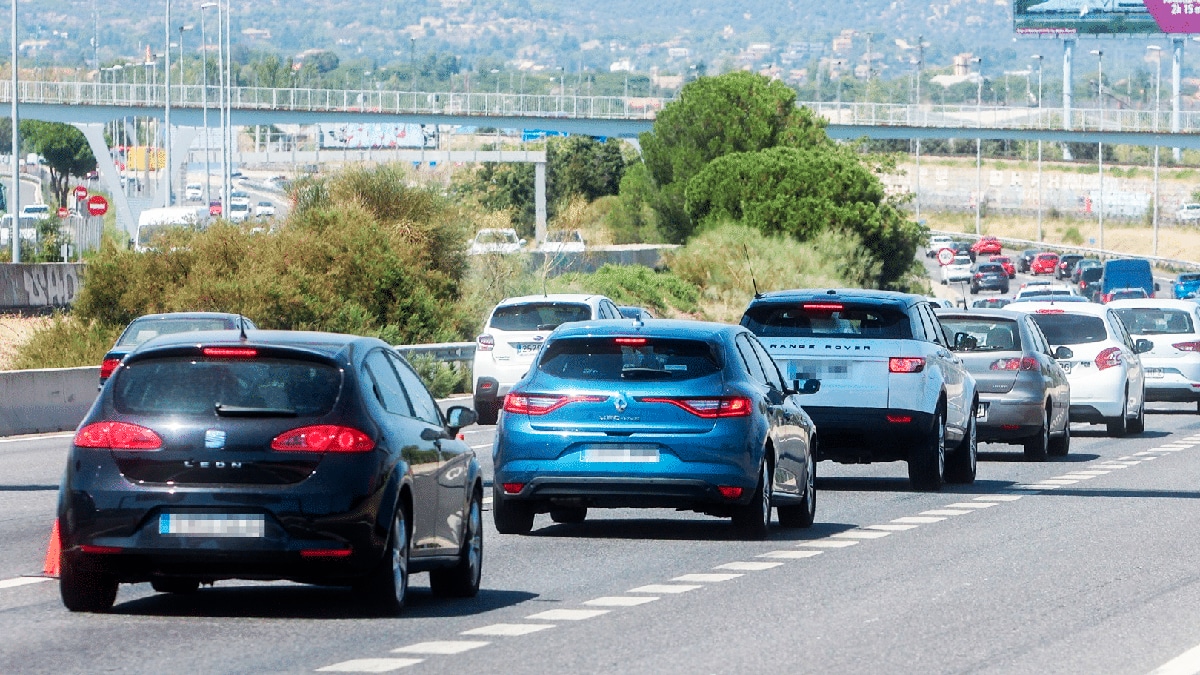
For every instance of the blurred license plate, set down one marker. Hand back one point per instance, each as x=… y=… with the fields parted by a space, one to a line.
x=1154 y=372
x=816 y=370
x=212 y=524
x=1066 y=366
x=620 y=453
x=981 y=412
x=528 y=347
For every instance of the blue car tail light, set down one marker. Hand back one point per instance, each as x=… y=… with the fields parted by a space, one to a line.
x=708 y=408
x=540 y=404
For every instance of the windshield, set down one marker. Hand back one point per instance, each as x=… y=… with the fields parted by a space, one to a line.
x=538 y=316
x=145 y=328
x=1071 y=329
x=606 y=359
x=495 y=237
x=817 y=319
x=197 y=386
x=991 y=335
x=1155 y=321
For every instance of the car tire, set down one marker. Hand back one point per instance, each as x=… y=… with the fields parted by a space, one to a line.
x=509 y=516
x=1137 y=425
x=85 y=590
x=1118 y=426
x=802 y=515
x=753 y=520
x=927 y=461
x=974 y=290
x=386 y=588
x=176 y=586
x=1038 y=445
x=486 y=411
x=568 y=515
x=1004 y=291
x=1059 y=447
x=462 y=580
x=962 y=464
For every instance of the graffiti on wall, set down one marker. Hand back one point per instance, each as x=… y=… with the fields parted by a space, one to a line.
x=51 y=285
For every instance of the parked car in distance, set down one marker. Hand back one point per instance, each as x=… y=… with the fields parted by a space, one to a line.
x=1066 y=265
x=1103 y=366
x=1005 y=262
x=194 y=192
x=563 y=241
x=1187 y=285
x=938 y=242
x=987 y=245
x=958 y=270
x=1127 y=273
x=661 y=414
x=988 y=303
x=1026 y=259
x=513 y=334
x=1043 y=263
x=150 y=326
x=989 y=277
x=635 y=313
x=495 y=240
x=891 y=389
x=1173 y=365
x=1188 y=212
x=199 y=462
x=1024 y=395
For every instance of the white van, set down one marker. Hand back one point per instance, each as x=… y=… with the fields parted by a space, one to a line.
x=152 y=222
x=35 y=210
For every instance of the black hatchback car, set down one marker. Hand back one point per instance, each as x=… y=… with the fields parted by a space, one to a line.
x=311 y=457
x=989 y=277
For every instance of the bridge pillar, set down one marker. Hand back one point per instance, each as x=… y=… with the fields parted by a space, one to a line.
x=539 y=199
x=94 y=133
x=182 y=137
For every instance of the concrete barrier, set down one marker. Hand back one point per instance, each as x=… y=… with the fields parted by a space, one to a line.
x=38 y=401
x=39 y=285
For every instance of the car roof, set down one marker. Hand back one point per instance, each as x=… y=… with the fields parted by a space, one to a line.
x=855 y=294
x=549 y=297
x=327 y=344
x=991 y=313
x=670 y=328
x=1032 y=306
x=1153 y=303
x=192 y=315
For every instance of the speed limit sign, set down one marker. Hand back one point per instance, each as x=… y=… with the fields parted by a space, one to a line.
x=945 y=256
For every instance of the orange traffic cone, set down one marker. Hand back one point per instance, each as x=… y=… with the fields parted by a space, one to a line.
x=53 y=563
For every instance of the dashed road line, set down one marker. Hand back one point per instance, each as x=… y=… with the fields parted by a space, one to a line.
x=707 y=578
x=369 y=665
x=862 y=534
x=621 y=601
x=39 y=437
x=508 y=629
x=748 y=566
x=999 y=498
x=23 y=581
x=442 y=647
x=890 y=527
x=567 y=614
x=945 y=512
x=1187 y=663
x=828 y=543
x=971 y=505
x=918 y=520
x=664 y=588
x=789 y=555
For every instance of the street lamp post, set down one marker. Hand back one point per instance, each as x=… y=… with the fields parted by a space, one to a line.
x=204 y=103
x=1039 y=103
x=978 y=147
x=1099 y=53
x=1157 y=83
x=167 y=106
x=14 y=199
x=920 y=60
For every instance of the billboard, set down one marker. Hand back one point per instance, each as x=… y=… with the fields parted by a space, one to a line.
x=1090 y=17
x=370 y=135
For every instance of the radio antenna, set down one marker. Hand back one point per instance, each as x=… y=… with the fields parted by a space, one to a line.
x=750 y=267
x=241 y=326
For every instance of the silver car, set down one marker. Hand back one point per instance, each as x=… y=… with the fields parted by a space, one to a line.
x=1024 y=395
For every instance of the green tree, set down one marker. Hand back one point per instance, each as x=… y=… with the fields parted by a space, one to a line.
x=65 y=150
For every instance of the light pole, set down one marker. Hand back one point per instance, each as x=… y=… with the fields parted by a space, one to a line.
x=978 y=146
x=1157 y=82
x=14 y=199
x=1100 y=146
x=167 y=100
x=204 y=103
x=229 y=135
x=920 y=60
x=1039 y=105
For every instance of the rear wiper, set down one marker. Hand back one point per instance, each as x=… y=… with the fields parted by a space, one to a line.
x=243 y=411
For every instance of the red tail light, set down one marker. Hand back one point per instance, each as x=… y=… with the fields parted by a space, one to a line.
x=513 y=488
x=1051 y=311
x=899 y=419
x=1187 y=346
x=1106 y=298
x=978 y=275
x=107 y=368
x=633 y=342
x=323 y=438
x=1026 y=363
x=730 y=492
x=100 y=550
x=906 y=364
x=540 y=404
x=1108 y=358
x=709 y=408
x=1082 y=284
x=231 y=352
x=823 y=306
x=325 y=553
x=117 y=436
x=485 y=343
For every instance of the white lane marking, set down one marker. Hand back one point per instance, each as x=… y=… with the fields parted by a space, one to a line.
x=567 y=614
x=481 y=445
x=945 y=512
x=999 y=498
x=1112 y=466
x=369 y=665
x=1166 y=448
x=862 y=534
x=621 y=601
x=442 y=647
x=1077 y=476
x=24 y=439
x=664 y=588
x=890 y=528
x=748 y=566
x=1046 y=486
x=918 y=520
x=1145 y=452
x=971 y=505
x=1147 y=459
x=1058 y=481
x=23 y=581
x=1093 y=472
x=828 y=543
x=707 y=578
x=1187 y=663
x=1030 y=487
x=508 y=629
x=789 y=555
x=1122 y=459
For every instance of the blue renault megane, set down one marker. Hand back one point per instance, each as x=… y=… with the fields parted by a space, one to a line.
x=661 y=414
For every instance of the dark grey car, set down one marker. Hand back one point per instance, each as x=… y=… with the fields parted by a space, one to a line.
x=1024 y=395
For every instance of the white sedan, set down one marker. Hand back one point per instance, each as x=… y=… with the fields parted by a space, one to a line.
x=1173 y=365
x=958 y=270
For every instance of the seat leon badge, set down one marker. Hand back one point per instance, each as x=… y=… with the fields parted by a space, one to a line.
x=621 y=404
x=214 y=439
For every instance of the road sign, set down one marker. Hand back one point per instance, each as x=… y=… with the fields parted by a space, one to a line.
x=945 y=256
x=80 y=192
x=63 y=212
x=97 y=205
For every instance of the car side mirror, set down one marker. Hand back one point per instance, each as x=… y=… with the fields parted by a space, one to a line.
x=964 y=342
x=806 y=386
x=1142 y=346
x=458 y=417
x=1063 y=353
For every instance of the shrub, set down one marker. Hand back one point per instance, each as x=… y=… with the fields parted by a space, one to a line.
x=67 y=342
x=1072 y=236
x=441 y=377
x=664 y=293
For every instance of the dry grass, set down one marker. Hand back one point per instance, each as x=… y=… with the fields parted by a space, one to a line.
x=15 y=331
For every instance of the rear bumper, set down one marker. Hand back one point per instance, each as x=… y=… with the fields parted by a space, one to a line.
x=1009 y=420
x=861 y=435
x=630 y=492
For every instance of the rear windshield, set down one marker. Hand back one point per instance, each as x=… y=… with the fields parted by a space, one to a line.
x=143 y=329
x=1071 y=329
x=817 y=319
x=1043 y=293
x=1155 y=321
x=538 y=315
x=607 y=360
x=991 y=269
x=1092 y=274
x=991 y=335
x=195 y=386
x=1188 y=277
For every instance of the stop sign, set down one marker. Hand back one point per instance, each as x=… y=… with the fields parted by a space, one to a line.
x=97 y=205
x=80 y=192
x=63 y=212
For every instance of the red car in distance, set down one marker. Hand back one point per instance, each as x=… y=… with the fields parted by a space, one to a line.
x=987 y=245
x=214 y=208
x=1005 y=262
x=1043 y=263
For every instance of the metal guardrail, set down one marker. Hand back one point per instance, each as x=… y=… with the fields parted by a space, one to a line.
x=442 y=351
x=1102 y=253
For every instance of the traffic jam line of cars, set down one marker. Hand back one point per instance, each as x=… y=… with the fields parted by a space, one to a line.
x=414 y=654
